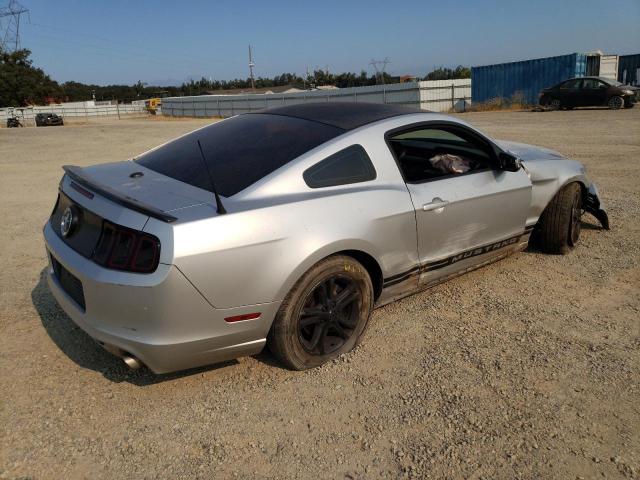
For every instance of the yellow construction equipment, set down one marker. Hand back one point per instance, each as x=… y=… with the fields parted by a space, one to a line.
x=152 y=105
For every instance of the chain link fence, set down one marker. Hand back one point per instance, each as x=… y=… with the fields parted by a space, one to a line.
x=27 y=115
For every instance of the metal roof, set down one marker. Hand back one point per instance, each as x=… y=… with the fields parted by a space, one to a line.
x=344 y=115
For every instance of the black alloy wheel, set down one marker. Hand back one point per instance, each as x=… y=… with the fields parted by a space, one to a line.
x=555 y=104
x=324 y=315
x=576 y=219
x=330 y=315
x=616 y=102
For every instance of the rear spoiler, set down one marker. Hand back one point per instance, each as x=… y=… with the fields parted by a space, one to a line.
x=77 y=175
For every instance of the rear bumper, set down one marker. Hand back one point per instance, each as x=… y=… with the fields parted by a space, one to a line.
x=159 y=318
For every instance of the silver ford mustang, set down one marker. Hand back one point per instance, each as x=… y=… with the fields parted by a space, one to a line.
x=288 y=226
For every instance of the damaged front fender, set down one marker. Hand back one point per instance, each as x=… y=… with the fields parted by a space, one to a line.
x=594 y=206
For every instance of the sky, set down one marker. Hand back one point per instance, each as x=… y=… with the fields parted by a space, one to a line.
x=162 y=42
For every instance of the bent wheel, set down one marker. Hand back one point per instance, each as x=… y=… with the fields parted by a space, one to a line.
x=324 y=315
x=576 y=216
x=560 y=223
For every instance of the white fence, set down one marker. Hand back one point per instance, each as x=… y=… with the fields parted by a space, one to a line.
x=78 y=110
x=437 y=96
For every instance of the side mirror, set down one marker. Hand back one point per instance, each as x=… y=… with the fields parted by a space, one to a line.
x=508 y=162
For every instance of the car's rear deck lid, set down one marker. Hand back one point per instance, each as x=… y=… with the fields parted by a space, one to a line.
x=78 y=175
x=138 y=188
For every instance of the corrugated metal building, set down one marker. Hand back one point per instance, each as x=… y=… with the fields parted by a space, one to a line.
x=524 y=78
x=434 y=95
x=629 y=69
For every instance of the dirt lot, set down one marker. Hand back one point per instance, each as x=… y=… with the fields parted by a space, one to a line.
x=528 y=368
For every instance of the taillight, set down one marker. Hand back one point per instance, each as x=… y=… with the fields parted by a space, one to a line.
x=122 y=248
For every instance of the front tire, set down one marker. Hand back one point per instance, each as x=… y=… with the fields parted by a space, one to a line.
x=324 y=315
x=616 y=102
x=560 y=223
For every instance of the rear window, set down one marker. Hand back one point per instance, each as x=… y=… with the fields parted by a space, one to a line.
x=571 y=84
x=239 y=151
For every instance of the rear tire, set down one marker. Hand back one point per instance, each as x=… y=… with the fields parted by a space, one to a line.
x=560 y=222
x=324 y=315
x=555 y=104
x=616 y=102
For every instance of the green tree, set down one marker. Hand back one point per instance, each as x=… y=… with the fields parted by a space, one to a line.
x=21 y=83
x=442 y=73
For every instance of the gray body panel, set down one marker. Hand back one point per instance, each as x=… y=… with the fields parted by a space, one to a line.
x=213 y=266
x=548 y=171
x=469 y=219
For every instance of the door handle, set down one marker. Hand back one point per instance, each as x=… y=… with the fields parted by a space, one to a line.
x=436 y=205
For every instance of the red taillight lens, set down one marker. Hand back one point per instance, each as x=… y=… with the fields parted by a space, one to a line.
x=122 y=248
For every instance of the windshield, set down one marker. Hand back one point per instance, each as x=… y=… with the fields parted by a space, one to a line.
x=239 y=151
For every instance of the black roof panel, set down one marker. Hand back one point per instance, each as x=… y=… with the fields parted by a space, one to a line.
x=345 y=115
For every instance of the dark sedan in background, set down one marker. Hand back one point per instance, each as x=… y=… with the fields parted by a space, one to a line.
x=589 y=92
x=48 y=120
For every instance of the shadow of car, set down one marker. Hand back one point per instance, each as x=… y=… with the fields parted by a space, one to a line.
x=86 y=353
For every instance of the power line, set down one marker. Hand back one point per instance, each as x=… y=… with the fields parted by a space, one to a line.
x=75 y=46
x=12 y=12
x=177 y=54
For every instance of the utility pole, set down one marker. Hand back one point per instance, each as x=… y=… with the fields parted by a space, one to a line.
x=308 y=81
x=11 y=34
x=251 y=65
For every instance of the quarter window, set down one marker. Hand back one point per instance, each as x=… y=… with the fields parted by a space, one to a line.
x=351 y=165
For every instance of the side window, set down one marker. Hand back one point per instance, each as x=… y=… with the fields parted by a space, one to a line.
x=571 y=84
x=433 y=152
x=351 y=165
x=592 y=84
x=588 y=84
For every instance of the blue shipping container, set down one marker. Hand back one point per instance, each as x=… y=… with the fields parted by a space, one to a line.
x=524 y=78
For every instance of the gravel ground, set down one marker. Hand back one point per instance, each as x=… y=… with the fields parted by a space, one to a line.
x=527 y=368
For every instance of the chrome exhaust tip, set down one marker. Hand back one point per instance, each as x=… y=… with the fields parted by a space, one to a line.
x=132 y=362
